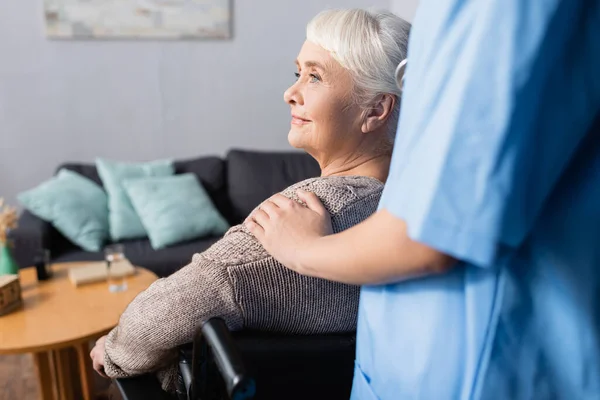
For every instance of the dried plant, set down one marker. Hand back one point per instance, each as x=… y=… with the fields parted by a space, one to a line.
x=8 y=220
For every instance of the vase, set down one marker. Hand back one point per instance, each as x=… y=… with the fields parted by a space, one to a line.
x=8 y=265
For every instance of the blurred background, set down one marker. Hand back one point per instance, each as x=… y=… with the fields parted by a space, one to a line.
x=136 y=100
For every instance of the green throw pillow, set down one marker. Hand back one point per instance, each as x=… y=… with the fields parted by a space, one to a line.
x=75 y=205
x=174 y=209
x=123 y=220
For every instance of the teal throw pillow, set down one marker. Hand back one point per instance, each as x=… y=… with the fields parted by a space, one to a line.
x=75 y=205
x=174 y=209
x=123 y=220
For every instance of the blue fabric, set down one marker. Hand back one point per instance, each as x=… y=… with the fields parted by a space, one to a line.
x=123 y=220
x=76 y=206
x=174 y=209
x=497 y=162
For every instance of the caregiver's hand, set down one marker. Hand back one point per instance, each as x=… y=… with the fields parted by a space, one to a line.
x=285 y=227
x=376 y=251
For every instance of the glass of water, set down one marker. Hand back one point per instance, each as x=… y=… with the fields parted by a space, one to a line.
x=114 y=254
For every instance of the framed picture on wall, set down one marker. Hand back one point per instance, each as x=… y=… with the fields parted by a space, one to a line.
x=137 y=19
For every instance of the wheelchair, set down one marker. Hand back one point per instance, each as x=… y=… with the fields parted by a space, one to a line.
x=223 y=365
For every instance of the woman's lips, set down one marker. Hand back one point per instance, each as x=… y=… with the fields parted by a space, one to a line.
x=299 y=121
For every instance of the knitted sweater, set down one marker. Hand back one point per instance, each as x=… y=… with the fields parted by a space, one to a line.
x=237 y=280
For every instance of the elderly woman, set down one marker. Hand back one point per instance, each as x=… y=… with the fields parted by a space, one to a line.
x=345 y=107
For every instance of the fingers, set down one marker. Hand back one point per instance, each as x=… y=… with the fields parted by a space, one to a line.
x=98 y=362
x=100 y=369
x=97 y=366
x=312 y=201
x=260 y=217
x=261 y=206
x=281 y=201
x=256 y=230
x=269 y=208
x=93 y=353
x=250 y=217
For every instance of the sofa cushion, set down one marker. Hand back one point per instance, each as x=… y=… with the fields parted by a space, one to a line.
x=174 y=209
x=210 y=171
x=74 y=205
x=87 y=170
x=162 y=262
x=253 y=176
x=124 y=221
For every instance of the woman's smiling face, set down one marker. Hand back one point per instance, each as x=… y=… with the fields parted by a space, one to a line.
x=325 y=119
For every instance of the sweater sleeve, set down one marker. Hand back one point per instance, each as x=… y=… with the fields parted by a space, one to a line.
x=166 y=315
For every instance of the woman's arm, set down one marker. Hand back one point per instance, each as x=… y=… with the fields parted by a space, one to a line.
x=166 y=316
x=300 y=238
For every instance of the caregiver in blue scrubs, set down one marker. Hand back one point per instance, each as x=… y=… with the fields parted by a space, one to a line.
x=481 y=269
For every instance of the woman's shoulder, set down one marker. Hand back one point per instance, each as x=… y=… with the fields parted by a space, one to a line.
x=239 y=246
x=337 y=192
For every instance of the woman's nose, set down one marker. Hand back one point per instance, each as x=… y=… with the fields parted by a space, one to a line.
x=292 y=95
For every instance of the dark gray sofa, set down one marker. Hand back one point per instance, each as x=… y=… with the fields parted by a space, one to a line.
x=235 y=184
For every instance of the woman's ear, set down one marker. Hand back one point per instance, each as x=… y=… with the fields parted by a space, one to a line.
x=377 y=116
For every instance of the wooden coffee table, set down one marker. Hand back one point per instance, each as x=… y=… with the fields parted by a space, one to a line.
x=57 y=322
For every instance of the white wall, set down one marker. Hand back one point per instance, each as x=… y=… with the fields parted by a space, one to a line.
x=134 y=100
x=405 y=8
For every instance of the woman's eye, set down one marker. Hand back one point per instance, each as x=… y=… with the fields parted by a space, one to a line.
x=297 y=75
x=314 y=78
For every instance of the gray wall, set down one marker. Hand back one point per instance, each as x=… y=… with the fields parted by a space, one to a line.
x=133 y=100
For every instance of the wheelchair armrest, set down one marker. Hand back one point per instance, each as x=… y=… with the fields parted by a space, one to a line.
x=215 y=337
x=144 y=387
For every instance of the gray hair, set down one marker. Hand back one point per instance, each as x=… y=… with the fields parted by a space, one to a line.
x=370 y=44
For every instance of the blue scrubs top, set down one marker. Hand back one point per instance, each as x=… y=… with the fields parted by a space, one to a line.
x=497 y=163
